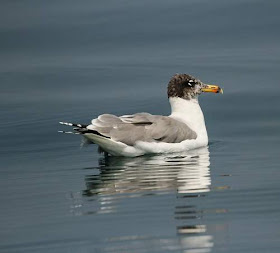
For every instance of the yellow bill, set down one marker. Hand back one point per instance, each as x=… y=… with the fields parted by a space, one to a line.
x=213 y=88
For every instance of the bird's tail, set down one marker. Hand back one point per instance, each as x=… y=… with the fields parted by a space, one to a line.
x=105 y=143
x=73 y=124
x=67 y=132
x=78 y=128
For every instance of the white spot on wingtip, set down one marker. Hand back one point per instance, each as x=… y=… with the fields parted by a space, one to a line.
x=65 y=123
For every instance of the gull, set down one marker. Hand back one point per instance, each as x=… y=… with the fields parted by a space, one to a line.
x=143 y=133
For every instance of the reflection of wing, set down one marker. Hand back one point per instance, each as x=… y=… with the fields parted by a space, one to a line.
x=125 y=187
x=185 y=173
x=142 y=127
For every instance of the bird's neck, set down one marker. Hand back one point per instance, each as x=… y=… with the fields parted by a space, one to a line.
x=189 y=112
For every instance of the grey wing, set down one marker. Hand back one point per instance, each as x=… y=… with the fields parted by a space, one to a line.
x=166 y=129
x=142 y=127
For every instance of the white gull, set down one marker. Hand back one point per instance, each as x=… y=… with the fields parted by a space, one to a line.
x=143 y=133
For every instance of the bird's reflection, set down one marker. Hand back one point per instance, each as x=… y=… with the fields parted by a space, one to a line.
x=185 y=173
x=185 y=176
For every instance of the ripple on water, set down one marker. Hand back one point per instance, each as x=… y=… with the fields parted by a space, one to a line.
x=125 y=188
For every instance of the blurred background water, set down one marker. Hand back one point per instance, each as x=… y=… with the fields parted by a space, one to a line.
x=71 y=61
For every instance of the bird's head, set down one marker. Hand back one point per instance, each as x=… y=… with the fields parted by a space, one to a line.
x=187 y=87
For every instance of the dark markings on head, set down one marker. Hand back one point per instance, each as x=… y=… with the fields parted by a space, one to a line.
x=183 y=86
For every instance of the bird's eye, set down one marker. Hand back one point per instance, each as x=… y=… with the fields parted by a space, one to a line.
x=191 y=83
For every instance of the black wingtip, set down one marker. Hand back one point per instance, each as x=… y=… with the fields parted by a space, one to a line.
x=72 y=124
x=67 y=132
x=89 y=131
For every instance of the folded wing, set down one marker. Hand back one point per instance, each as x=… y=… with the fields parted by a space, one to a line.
x=129 y=129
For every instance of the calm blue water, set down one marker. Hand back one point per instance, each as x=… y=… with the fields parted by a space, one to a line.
x=71 y=61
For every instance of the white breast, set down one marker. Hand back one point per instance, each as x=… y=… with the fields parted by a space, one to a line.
x=189 y=112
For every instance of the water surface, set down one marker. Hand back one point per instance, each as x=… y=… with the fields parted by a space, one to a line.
x=71 y=61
